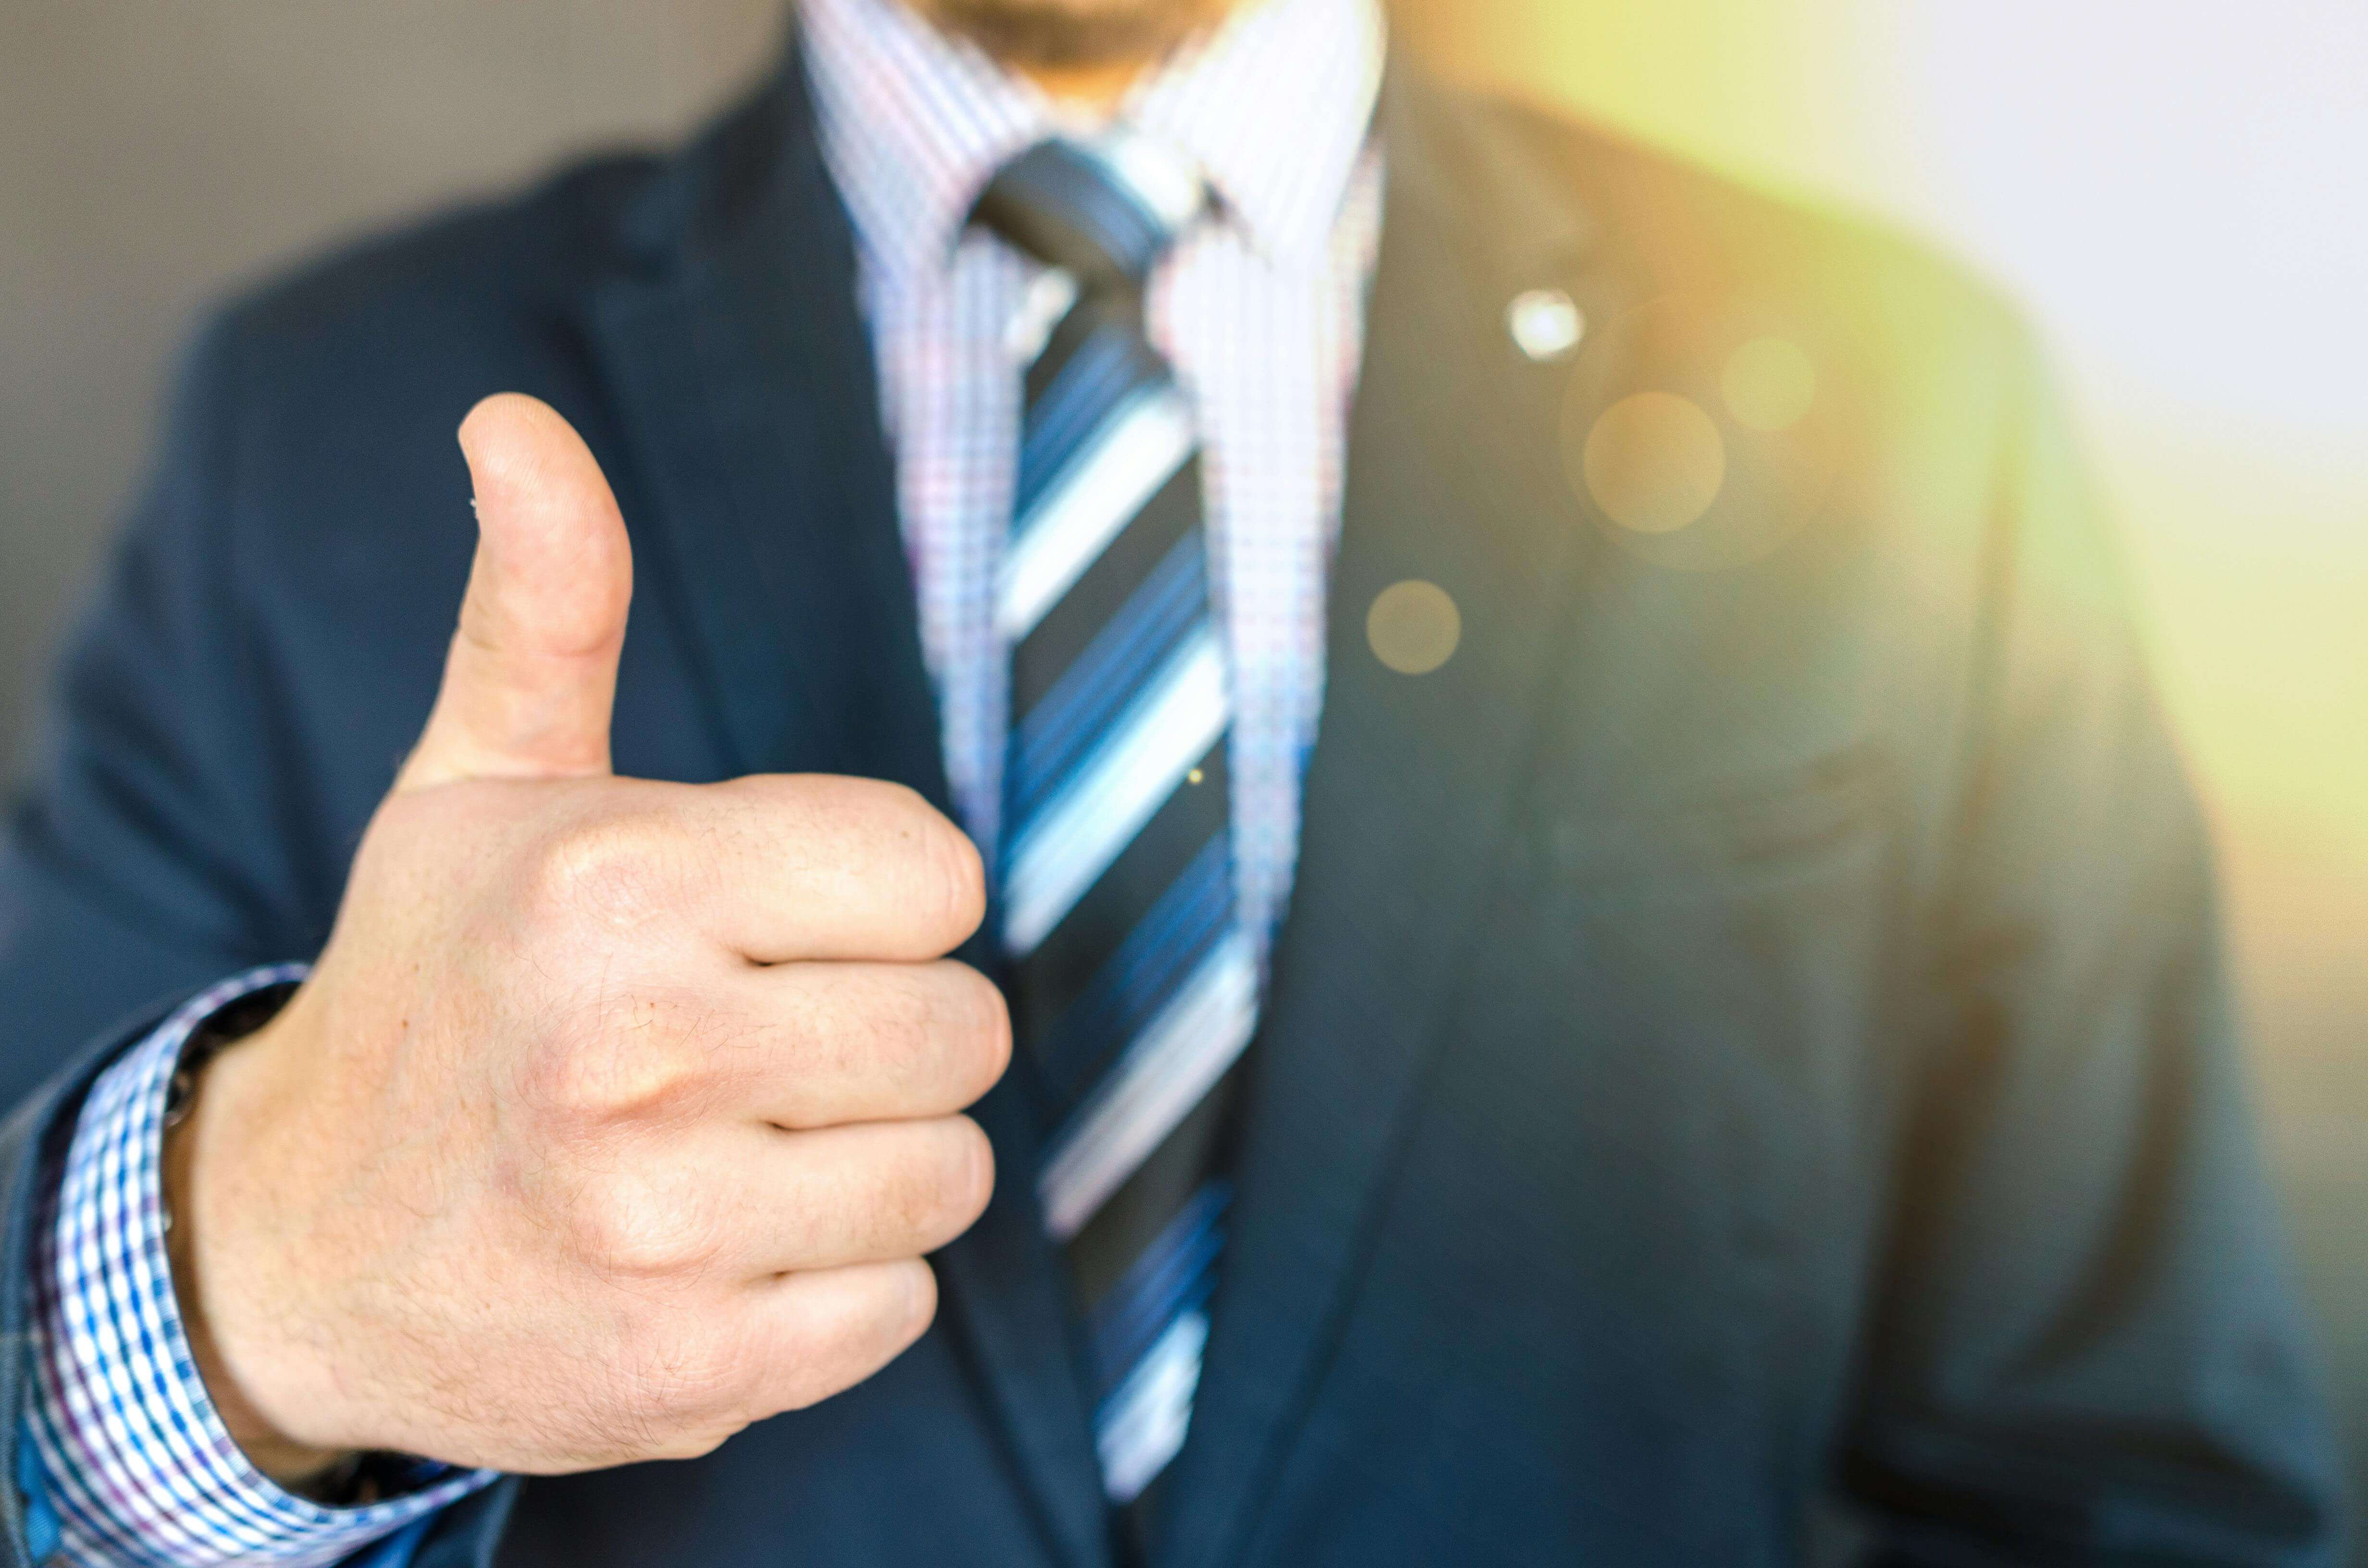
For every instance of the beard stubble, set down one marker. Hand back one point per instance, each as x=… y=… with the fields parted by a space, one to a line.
x=1069 y=35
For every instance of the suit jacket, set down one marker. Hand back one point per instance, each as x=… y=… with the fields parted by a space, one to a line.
x=1749 y=1030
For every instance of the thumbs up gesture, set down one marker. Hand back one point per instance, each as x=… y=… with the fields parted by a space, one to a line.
x=616 y=1114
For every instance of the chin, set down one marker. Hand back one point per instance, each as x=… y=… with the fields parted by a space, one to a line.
x=1074 y=34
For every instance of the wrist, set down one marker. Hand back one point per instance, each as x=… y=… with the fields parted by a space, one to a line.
x=204 y=1089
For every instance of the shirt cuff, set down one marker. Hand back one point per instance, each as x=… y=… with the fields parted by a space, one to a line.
x=141 y=1471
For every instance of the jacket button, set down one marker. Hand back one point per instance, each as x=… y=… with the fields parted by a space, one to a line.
x=1546 y=324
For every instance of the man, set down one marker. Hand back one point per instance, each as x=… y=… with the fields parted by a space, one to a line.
x=1595 y=934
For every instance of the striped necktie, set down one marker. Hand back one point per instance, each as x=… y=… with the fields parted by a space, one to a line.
x=1132 y=984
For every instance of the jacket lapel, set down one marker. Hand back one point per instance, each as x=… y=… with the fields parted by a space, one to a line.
x=1454 y=480
x=750 y=407
x=747 y=389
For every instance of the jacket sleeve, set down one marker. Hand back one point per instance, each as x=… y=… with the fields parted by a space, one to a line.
x=2086 y=1345
x=144 y=859
x=149 y=855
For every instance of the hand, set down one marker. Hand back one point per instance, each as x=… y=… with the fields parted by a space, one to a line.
x=616 y=1114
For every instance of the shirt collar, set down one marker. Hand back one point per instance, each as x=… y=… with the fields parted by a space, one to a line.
x=1274 y=109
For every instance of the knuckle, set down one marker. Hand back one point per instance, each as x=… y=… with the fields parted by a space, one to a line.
x=902 y=1019
x=986 y=1032
x=943 y=1183
x=945 y=876
x=618 y=1061
x=972 y=1185
x=694 y=1443
x=920 y=1301
x=919 y=1195
x=699 y=1442
x=633 y=1230
x=833 y=1351
x=861 y=1029
x=680 y=1394
x=955 y=886
x=814 y=1347
x=567 y=1079
x=614 y=872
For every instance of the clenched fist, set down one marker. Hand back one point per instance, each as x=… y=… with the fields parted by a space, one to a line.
x=616 y=1114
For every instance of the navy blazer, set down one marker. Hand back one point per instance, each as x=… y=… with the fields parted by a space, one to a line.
x=1749 y=1030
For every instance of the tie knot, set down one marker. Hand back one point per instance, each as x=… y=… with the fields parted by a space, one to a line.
x=1105 y=210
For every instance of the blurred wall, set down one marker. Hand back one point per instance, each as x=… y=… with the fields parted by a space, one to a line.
x=153 y=153
x=2177 y=190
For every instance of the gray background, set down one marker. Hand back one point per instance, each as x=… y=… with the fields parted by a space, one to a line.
x=153 y=152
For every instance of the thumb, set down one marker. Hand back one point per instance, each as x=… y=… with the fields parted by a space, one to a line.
x=532 y=671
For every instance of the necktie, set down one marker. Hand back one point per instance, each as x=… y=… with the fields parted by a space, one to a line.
x=1133 y=985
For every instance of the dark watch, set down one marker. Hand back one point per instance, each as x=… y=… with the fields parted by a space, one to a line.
x=359 y=1480
x=225 y=1028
